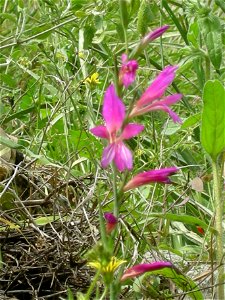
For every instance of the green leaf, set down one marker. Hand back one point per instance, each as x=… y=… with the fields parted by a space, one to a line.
x=89 y=32
x=8 y=79
x=124 y=13
x=221 y=4
x=9 y=143
x=211 y=29
x=186 y=284
x=70 y=294
x=191 y=121
x=176 y=21
x=182 y=218
x=171 y=128
x=214 y=46
x=213 y=118
x=144 y=17
x=193 y=34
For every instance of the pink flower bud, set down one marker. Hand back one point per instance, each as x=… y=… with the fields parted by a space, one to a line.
x=154 y=34
x=111 y=222
x=160 y=176
x=143 y=268
x=128 y=70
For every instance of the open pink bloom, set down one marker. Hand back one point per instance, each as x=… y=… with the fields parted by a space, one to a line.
x=111 y=222
x=160 y=176
x=128 y=70
x=114 y=115
x=143 y=268
x=152 y=99
x=155 y=34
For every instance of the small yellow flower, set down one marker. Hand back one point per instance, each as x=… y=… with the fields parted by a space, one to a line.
x=93 y=79
x=139 y=152
x=110 y=267
x=81 y=55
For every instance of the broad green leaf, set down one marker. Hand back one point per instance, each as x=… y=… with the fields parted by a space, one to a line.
x=186 y=284
x=213 y=118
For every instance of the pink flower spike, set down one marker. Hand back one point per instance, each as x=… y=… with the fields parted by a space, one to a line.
x=113 y=110
x=155 y=34
x=127 y=71
x=143 y=268
x=111 y=222
x=113 y=131
x=153 y=176
x=158 y=86
x=131 y=130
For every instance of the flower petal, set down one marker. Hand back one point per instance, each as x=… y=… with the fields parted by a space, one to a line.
x=113 y=110
x=171 y=99
x=158 y=86
x=123 y=157
x=100 y=131
x=172 y=114
x=142 y=268
x=108 y=155
x=166 y=108
x=160 y=176
x=124 y=58
x=156 y=33
x=159 y=105
x=110 y=218
x=111 y=222
x=131 y=130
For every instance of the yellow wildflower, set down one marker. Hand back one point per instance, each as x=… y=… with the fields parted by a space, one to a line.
x=93 y=79
x=110 y=267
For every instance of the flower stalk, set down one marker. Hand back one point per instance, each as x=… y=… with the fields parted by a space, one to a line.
x=218 y=226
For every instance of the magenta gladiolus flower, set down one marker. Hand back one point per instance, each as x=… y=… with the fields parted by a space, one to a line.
x=114 y=116
x=111 y=222
x=128 y=70
x=143 y=268
x=160 y=176
x=155 y=34
x=152 y=99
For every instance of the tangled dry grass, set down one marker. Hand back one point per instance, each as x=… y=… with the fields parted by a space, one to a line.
x=47 y=225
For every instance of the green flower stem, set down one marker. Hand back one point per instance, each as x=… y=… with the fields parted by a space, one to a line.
x=102 y=226
x=218 y=226
x=118 y=86
x=92 y=286
x=207 y=69
x=104 y=294
x=113 y=292
x=116 y=199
